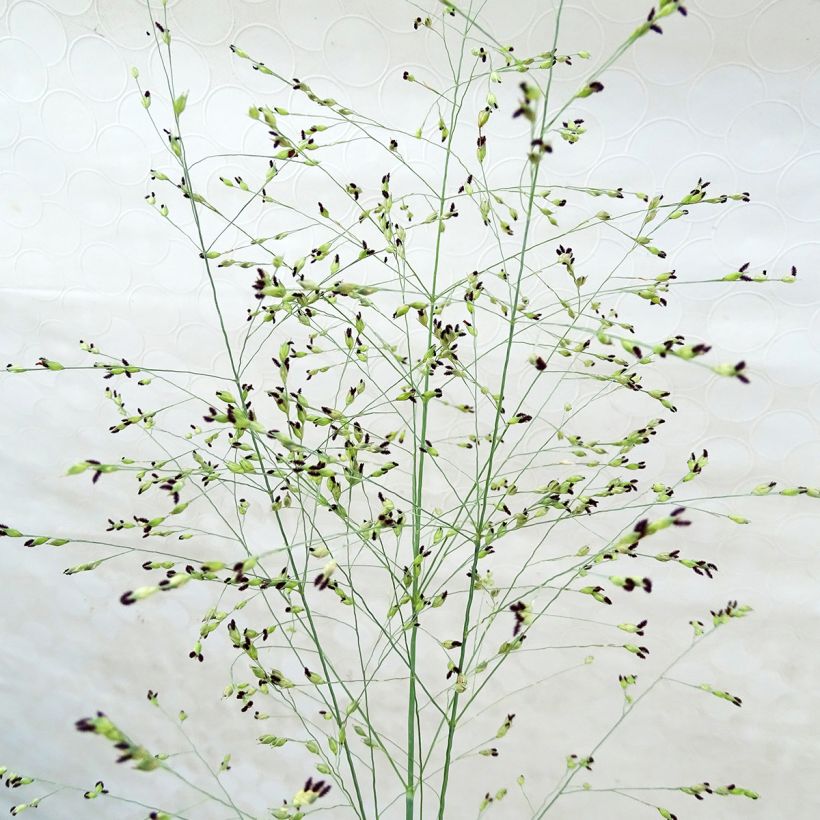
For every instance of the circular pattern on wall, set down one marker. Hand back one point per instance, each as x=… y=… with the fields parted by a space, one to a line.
x=625 y=170
x=764 y=48
x=305 y=24
x=495 y=17
x=122 y=155
x=682 y=55
x=207 y=22
x=97 y=68
x=689 y=426
x=765 y=136
x=624 y=11
x=125 y=25
x=730 y=461
x=58 y=230
x=623 y=105
x=778 y=433
x=725 y=400
x=720 y=93
x=180 y=271
x=154 y=311
x=356 y=51
x=68 y=121
x=799 y=536
x=393 y=17
x=814 y=332
x=192 y=73
x=9 y=122
x=35 y=25
x=733 y=8
x=225 y=115
x=741 y=321
x=20 y=207
x=697 y=265
x=810 y=97
x=653 y=140
x=22 y=71
x=40 y=164
x=74 y=7
x=31 y=270
x=751 y=232
x=96 y=198
x=10 y=241
x=791 y=361
x=104 y=270
x=415 y=98
x=142 y=236
x=798 y=189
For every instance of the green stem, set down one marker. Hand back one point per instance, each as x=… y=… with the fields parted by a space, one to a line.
x=494 y=446
x=412 y=716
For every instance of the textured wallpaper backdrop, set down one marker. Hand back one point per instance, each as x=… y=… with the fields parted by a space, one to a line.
x=731 y=94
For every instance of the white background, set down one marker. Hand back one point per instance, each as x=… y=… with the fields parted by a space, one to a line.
x=731 y=94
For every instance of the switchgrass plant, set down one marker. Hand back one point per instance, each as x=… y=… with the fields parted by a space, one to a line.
x=426 y=512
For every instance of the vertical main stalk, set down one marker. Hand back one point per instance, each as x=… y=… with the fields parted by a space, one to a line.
x=410 y=788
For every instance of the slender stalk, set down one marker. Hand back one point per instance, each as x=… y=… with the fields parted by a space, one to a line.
x=494 y=444
x=418 y=482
